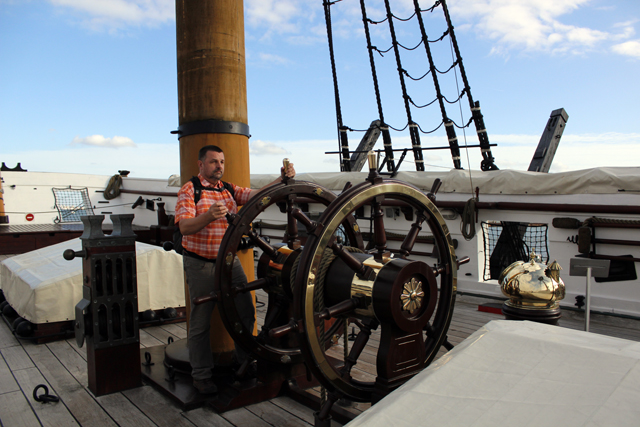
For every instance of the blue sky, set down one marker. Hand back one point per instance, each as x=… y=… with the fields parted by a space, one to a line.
x=90 y=86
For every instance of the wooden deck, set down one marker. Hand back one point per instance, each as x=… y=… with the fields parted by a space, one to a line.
x=62 y=367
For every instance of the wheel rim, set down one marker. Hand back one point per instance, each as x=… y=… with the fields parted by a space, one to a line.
x=439 y=313
x=238 y=229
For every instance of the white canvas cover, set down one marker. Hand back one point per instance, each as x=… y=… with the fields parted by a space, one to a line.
x=512 y=373
x=587 y=181
x=44 y=287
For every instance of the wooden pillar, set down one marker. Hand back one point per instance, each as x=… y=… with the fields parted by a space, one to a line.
x=212 y=104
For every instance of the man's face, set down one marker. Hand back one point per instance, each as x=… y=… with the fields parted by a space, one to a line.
x=212 y=167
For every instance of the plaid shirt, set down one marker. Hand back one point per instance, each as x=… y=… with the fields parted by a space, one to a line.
x=206 y=242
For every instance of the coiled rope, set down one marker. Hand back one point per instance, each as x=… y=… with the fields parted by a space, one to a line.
x=113 y=187
x=468 y=221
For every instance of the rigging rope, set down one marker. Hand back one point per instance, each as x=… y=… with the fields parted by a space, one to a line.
x=386 y=137
x=451 y=133
x=468 y=223
x=487 y=158
x=342 y=134
x=413 y=130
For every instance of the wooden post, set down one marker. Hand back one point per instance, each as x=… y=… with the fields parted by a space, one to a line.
x=108 y=314
x=212 y=105
x=4 y=219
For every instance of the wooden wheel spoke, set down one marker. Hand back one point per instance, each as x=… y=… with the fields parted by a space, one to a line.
x=201 y=300
x=304 y=219
x=262 y=244
x=357 y=348
x=251 y=286
x=380 y=234
x=292 y=224
x=277 y=306
x=363 y=272
x=338 y=309
x=441 y=269
x=412 y=236
x=431 y=333
x=280 y=331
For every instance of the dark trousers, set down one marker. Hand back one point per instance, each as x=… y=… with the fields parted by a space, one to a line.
x=200 y=275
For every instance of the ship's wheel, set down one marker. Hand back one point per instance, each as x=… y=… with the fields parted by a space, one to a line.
x=276 y=267
x=410 y=300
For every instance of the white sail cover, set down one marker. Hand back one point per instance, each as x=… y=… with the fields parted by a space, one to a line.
x=44 y=287
x=511 y=373
x=587 y=181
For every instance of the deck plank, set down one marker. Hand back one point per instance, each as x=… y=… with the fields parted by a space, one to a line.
x=16 y=358
x=82 y=351
x=178 y=330
x=206 y=417
x=157 y=407
x=161 y=334
x=244 y=417
x=148 y=340
x=276 y=415
x=71 y=360
x=297 y=409
x=49 y=414
x=6 y=337
x=72 y=394
x=15 y=411
x=123 y=411
x=7 y=381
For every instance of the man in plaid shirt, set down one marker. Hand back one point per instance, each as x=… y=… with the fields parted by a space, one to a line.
x=203 y=227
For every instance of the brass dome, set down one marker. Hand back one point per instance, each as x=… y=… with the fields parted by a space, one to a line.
x=532 y=285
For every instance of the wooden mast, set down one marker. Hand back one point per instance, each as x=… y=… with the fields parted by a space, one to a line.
x=212 y=105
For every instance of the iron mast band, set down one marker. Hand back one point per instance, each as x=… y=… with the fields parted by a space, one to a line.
x=212 y=126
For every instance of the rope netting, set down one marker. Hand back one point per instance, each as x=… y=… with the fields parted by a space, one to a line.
x=507 y=242
x=72 y=204
x=397 y=35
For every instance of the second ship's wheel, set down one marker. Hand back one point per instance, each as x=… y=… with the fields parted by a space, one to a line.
x=276 y=266
x=410 y=300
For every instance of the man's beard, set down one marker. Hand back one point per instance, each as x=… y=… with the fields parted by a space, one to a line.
x=216 y=174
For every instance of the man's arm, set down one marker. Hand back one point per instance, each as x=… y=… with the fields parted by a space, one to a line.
x=193 y=225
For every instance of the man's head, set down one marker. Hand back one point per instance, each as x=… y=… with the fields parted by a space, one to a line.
x=211 y=163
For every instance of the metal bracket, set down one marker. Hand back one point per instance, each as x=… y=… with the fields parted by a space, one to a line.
x=212 y=126
x=82 y=311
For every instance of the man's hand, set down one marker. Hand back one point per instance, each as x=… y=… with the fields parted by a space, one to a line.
x=289 y=173
x=218 y=210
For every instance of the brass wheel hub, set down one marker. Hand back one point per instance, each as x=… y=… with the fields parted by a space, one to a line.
x=412 y=295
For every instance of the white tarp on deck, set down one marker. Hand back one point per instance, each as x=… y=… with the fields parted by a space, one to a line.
x=511 y=373
x=44 y=287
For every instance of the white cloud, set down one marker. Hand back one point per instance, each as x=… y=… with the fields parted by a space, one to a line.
x=114 y=14
x=261 y=148
x=273 y=59
x=630 y=48
x=533 y=25
x=278 y=16
x=101 y=141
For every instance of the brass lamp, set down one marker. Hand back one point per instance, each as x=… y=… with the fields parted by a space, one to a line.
x=534 y=290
